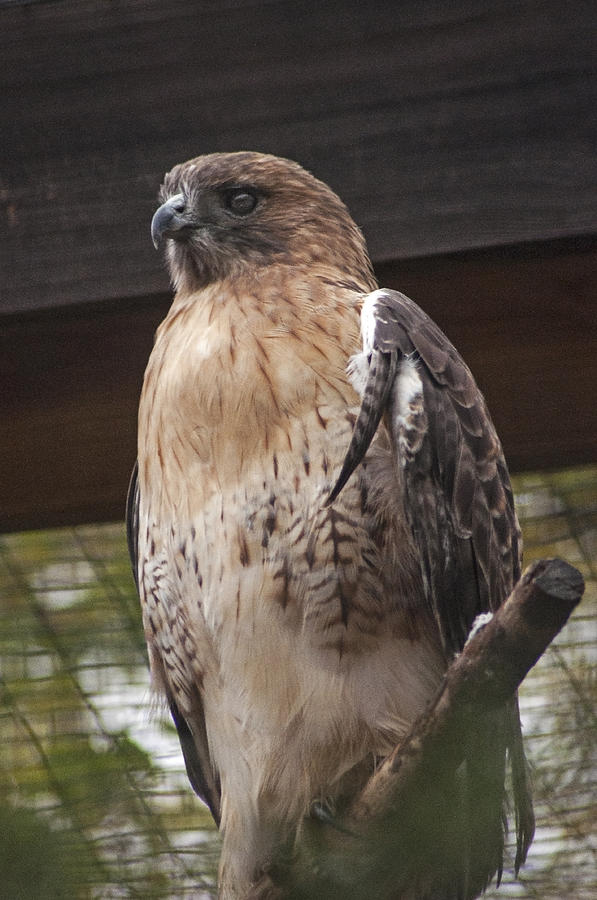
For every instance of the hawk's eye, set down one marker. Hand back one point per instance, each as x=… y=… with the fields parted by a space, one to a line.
x=240 y=201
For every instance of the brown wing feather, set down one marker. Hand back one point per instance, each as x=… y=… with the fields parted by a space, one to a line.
x=457 y=490
x=457 y=486
x=459 y=503
x=194 y=746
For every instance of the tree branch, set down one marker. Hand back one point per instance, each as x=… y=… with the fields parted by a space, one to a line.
x=367 y=851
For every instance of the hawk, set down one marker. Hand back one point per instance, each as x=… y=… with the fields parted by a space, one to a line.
x=319 y=511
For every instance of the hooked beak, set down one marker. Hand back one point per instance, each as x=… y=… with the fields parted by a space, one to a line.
x=169 y=219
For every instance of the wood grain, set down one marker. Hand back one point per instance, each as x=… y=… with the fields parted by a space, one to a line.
x=444 y=127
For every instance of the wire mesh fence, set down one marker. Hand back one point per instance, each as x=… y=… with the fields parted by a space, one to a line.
x=94 y=801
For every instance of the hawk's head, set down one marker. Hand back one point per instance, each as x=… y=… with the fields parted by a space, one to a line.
x=225 y=214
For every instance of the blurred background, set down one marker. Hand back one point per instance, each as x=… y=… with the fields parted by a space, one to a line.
x=94 y=800
x=462 y=136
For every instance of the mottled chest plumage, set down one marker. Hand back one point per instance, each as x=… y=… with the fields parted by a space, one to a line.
x=303 y=581
x=325 y=571
x=239 y=476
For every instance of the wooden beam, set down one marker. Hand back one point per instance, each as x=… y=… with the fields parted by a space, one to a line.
x=523 y=318
x=443 y=126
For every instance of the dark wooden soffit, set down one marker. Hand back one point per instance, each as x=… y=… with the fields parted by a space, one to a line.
x=445 y=126
x=522 y=317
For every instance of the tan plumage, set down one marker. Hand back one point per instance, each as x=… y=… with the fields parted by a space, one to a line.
x=297 y=639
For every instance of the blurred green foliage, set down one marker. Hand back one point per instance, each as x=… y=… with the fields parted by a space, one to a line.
x=93 y=796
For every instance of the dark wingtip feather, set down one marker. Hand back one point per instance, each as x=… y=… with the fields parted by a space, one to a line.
x=521 y=789
x=382 y=368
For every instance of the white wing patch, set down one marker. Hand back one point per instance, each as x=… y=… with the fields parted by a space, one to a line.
x=408 y=399
x=358 y=365
x=479 y=624
x=408 y=391
x=409 y=411
x=370 y=316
